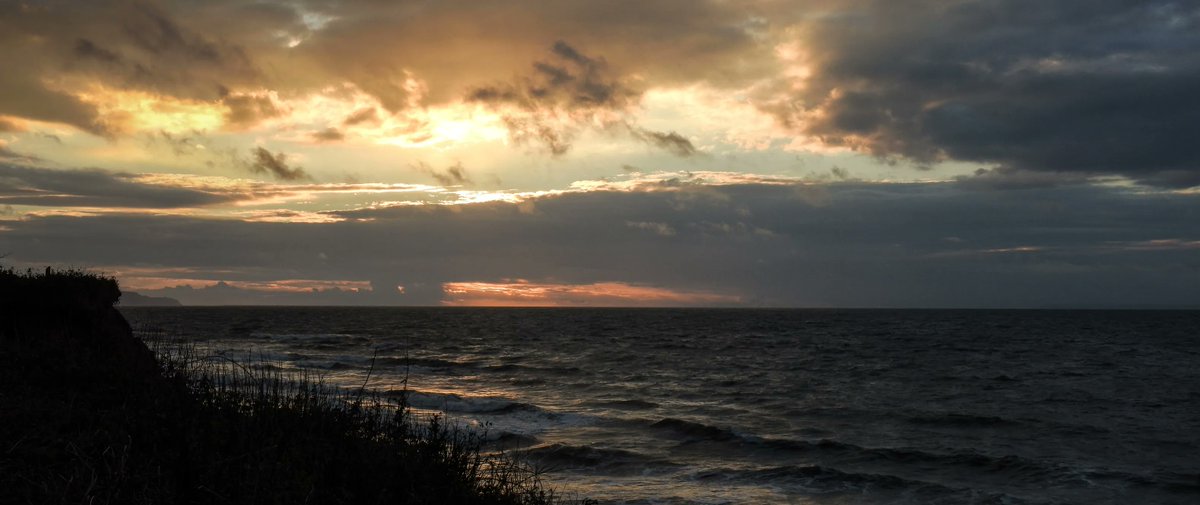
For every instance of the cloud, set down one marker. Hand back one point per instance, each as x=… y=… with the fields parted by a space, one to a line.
x=264 y=162
x=59 y=57
x=364 y=115
x=567 y=93
x=7 y=126
x=871 y=244
x=1061 y=87
x=671 y=142
x=56 y=54
x=181 y=145
x=22 y=185
x=226 y=293
x=328 y=135
x=656 y=228
x=1010 y=178
x=379 y=47
x=246 y=110
x=10 y=155
x=607 y=294
x=582 y=87
x=148 y=49
x=102 y=191
x=454 y=175
x=25 y=97
x=87 y=49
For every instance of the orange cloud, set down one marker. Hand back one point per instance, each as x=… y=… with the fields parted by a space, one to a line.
x=139 y=283
x=522 y=293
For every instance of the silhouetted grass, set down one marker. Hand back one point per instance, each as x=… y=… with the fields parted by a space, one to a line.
x=90 y=414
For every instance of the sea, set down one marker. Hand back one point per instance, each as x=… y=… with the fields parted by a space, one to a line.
x=715 y=406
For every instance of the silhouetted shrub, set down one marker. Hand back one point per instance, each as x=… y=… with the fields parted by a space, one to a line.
x=90 y=414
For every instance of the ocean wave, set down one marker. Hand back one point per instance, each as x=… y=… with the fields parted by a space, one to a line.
x=1173 y=482
x=434 y=363
x=527 y=382
x=694 y=430
x=559 y=456
x=1013 y=467
x=552 y=370
x=324 y=364
x=819 y=478
x=1009 y=468
x=962 y=420
x=622 y=404
x=450 y=402
x=312 y=338
x=866 y=487
x=507 y=441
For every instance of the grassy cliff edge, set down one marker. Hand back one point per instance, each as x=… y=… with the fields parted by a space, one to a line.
x=90 y=414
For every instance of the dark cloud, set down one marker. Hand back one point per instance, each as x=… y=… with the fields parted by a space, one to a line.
x=265 y=162
x=671 y=142
x=571 y=82
x=1010 y=178
x=924 y=245
x=222 y=293
x=404 y=54
x=10 y=155
x=328 y=135
x=454 y=175
x=117 y=44
x=85 y=48
x=1074 y=86
x=22 y=185
x=243 y=111
x=24 y=96
x=151 y=30
x=378 y=46
x=364 y=115
x=580 y=86
x=180 y=144
x=166 y=56
x=555 y=139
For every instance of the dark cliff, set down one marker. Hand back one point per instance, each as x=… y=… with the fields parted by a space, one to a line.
x=89 y=414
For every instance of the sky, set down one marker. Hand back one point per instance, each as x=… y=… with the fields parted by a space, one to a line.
x=781 y=153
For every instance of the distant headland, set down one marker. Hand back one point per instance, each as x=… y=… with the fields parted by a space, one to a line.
x=132 y=299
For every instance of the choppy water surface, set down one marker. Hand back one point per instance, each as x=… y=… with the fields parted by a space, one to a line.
x=781 y=406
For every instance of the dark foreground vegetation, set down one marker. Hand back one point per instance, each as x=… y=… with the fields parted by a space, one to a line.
x=91 y=414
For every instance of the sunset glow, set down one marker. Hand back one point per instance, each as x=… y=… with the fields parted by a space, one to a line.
x=550 y=252
x=615 y=294
x=606 y=153
x=276 y=286
x=137 y=111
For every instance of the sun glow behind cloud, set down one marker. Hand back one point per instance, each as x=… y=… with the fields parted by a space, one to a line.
x=365 y=117
x=344 y=113
x=444 y=126
x=140 y=111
